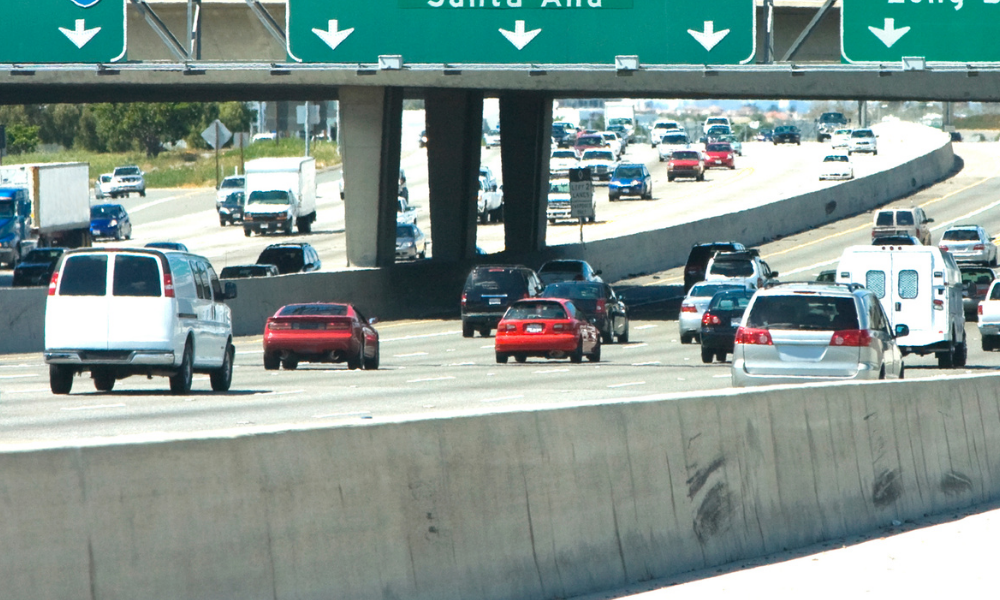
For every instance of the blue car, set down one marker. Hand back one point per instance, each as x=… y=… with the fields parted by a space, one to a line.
x=630 y=179
x=110 y=221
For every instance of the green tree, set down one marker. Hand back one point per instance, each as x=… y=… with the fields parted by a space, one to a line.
x=58 y=124
x=144 y=126
x=21 y=138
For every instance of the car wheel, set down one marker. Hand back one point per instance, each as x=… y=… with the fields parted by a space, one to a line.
x=246 y=231
x=720 y=356
x=118 y=235
x=988 y=343
x=358 y=361
x=902 y=370
x=180 y=382
x=484 y=331
x=946 y=359
x=372 y=363
x=608 y=337
x=961 y=355
x=222 y=222
x=484 y=218
x=104 y=380
x=271 y=361
x=577 y=355
x=468 y=330
x=60 y=379
x=881 y=373
x=707 y=355
x=521 y=358
x=502 y=358
x=290 y=364
x=623 y=338
x=595 y=356
x=612 y=198
x=701 y=177
x=142 y=193
x=686 y=338
x=670 y=177
x=222 y=379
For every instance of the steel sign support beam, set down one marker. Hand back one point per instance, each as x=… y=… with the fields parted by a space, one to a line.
x=194 y=28
x=822 y=12
x=768 y=31
x=268 y=22
x=161 y=30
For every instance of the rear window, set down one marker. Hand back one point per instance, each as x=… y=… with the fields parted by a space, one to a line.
x=288 y=260
x=700 y=255
x=136 y=276
x=884 y=219
x=731 y=301
x=564 y=154
x=491 y=281
x=598 y=155
x=709 y=289
x=732 y=268
x=40 y=256
x=904 y=218
x=232 y=182
x=535 y=311
x=719 y=148
x=85 y=275
x=241 y=272
x=961 y=235
x=573 y=291
x=562 y=266
x=322 y=310
x=803 y=312
x=978 y=277
x=675 y=139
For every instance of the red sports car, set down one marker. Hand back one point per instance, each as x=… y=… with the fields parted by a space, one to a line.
x=686 y=163
x=550 y=328
x=320 y=332
x=720 y=155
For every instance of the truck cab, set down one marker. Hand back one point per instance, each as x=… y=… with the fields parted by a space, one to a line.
x=15 y=223
x=829 y=122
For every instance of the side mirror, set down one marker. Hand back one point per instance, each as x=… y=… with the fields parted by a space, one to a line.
x=229 y=292
x=902 y=331
x=598 y=272
x=774 y=273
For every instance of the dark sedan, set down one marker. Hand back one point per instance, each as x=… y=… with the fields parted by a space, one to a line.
x=976 y=283
x=599 y=304
x=787 y=134
x=720 y=322
x=35 y=269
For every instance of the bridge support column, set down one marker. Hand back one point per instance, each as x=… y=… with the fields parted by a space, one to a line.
x=862 y=113
x=526 y=129
x=454 y=136
x=372 y=122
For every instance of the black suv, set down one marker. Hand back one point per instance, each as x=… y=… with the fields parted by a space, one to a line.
x=697 y=262
x=787 y=134
x=290 y=258
x=231 y=209
x=489 y=290
x=35 y=269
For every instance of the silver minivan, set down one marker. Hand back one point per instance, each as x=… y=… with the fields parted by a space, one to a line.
x=806 y=332
x=137 y=311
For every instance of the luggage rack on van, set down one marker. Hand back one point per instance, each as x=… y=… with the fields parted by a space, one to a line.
x=852 y=287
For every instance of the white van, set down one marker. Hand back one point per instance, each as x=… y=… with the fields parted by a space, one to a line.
x=919 y=286
x=130 y=311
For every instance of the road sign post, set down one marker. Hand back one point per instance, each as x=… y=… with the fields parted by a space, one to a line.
x=880 y=31
x=522 y=31
x=581 y=196
x=63 y=31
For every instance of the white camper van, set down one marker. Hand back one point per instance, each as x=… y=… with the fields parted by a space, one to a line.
x=919 y=286
x=130 y=311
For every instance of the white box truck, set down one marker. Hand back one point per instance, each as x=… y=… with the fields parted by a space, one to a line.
x=918 y=286
x=280 y=192
x=620 y=113
x=60 y=201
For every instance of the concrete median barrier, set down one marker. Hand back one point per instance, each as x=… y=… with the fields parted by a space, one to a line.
x=522 y=505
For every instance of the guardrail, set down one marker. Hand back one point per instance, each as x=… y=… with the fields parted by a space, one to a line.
x=549 y=503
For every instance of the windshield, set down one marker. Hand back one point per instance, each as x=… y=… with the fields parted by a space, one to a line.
x=809 y=313
x=558 y=187
x=535 y=311
x=597 y=155
x=232 y=182
x=836 y=158
x=683 y=155
x=564 y=154
x=6 y=207
x=43 y=256
x=273 y=197
x=717 y=121
x=405 y=231
x=665 y=126
x=961 y=235
x=862 y=133
x=562 y=266
x=675 y=139
x=126 y=171
x=628 y=172
x=730 y=301
x=719 y=148
x=832 y=118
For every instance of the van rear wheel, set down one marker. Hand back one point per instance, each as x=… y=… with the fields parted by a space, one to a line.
x=223 y=378
x=180 y=383
x=104 y=380
x=60 y=379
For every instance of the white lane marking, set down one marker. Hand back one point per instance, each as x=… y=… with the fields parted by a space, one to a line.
x=503 y=398
x=35 y=391
x=647 y=364
x=410 y=355
x=261 y=351
x=96 y=407
x=23 y=366
x=462 y=364
x=487 y=347
x=811 y=267
x=621 y=385
x=966 y=216
x=641 y=327
x=630 y=346
x=545 y=371
x=721 y=376
x=280 y=393
x=363 y=415
x=422 y=336
x=161 y=201
x=430 y=379
x=19 y=376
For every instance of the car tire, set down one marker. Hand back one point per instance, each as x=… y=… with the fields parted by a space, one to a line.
x=372 y=363
x=701 y=177
x=961 y=355
x=946 y=359
x=989 y=343
x=104 y=380
x=608 y=337
x=118 y=235
x=290 y=364
x=222 y=222
x=180 y=382
x=358 y=360
x=502 y=358
x=707 y=355
x=484 y=331
x=271 y=361
x=142 y=193
x=60 y=379
x=612 y=198
x=623 y=338
x=222 y=378
x=670 y=177
x=577 y=355
x=595 y=356
x=305 y=225
x=720 y=356
x=468 y=330
x=521 y=358
x=484 y=218
x=686 y=338
x=246 y=231
x=902 y=370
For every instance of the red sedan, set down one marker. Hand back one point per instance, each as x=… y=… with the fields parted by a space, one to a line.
x=320 y=332
x=550 y=328
x=720 y=155
x=686 y=163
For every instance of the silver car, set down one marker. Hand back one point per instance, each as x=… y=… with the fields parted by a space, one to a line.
x=808 y=332
x=969 y=243
x=696 y=303
x=411 y=243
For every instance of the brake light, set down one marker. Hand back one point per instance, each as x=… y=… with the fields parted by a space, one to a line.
x=753 y=337
x=337 y=326
x=558 y=327
x=168 y=285
x=688 y=308
x=465 y=297
x=978 y=247
x=939 y=305
x=980 y=309
x=943 y=248
x=510 y=327
x=710 y=319
x=275 y=326
x=601 y=305
x=53 y=284
x=855 y=338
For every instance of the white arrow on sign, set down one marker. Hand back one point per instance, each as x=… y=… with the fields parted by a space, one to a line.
x=81 y=35
x=889 y=35
x=519 y=37
x=332 y=37
x=710 y=37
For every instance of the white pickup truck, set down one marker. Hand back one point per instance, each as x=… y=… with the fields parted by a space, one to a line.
x=989 y=318
x=405 y=214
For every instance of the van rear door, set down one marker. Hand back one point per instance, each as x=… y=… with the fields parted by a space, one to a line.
x=911 y=296
x=137 y=319
x=76 y=315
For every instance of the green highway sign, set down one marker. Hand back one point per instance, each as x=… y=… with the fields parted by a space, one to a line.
x=938 y=30
x=63 y=31
x=522 y=31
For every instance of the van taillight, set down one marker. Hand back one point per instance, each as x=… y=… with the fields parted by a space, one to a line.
x=601 y=305
x=465 y=297
x=855 y=338
x=54 y=283
x=980 y=309
x=939 y=305
x=753 y=337
x=168 y=285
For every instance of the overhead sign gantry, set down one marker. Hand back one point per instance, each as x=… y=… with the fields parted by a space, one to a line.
x=63 y=31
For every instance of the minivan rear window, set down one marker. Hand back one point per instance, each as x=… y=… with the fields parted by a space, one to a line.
x=904 y=218
x=732 y=268
x=136 y=276
x=805 y=313
x=884 y=219
x=491 y=281
x=85 y=275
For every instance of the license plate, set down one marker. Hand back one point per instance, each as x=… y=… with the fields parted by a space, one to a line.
x=533 y=328
x=494 y=301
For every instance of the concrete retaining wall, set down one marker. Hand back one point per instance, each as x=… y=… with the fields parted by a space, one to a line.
x=527 y=505
x=430 y=289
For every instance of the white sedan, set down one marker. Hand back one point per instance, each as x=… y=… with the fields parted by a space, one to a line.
x=840 y=138
x=836 y=166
